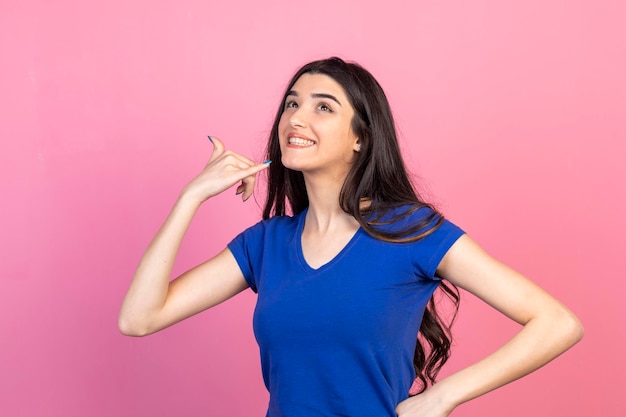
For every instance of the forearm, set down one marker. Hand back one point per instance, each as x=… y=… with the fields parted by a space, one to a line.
x=540 y=340
x=151 y=303
x=149 y=287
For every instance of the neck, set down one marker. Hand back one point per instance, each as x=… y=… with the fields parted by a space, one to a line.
x=324 y=210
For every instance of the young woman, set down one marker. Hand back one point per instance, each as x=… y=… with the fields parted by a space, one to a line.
x=345 y=263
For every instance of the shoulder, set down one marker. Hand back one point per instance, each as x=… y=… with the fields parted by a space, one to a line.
x=273 y=225
x=259 y=241
x=423 y=226
x=419 y=218
x=435 y=236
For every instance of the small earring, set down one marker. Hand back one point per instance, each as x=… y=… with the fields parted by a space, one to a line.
x=358 y=147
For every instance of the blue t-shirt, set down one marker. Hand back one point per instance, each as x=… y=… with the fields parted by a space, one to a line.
x=338 y=340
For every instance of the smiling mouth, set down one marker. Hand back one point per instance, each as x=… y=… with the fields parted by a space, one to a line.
x=298 y=141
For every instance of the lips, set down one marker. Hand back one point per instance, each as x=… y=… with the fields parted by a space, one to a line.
x=299 y=140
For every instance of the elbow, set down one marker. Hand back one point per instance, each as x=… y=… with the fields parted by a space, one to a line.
x=571 y=327
x=578 y=330
x=129 y=328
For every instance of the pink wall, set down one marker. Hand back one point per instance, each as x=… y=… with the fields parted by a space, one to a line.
x=512 y=113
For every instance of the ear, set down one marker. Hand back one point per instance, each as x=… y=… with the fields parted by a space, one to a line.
x=357 y=145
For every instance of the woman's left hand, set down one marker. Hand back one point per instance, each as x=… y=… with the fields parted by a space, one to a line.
x=426 y=404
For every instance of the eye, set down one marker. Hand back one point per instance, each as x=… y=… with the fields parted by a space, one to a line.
x=324 y=107
x=291 y=104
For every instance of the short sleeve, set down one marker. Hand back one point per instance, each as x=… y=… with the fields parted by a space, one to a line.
x=246 y=248
x=428 y=252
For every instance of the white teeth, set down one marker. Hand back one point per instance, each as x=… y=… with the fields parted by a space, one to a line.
x=300 y=141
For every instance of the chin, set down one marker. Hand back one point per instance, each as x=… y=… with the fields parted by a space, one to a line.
x=291 y=164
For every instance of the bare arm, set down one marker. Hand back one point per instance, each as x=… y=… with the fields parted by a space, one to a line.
x=549 y=330
x=152 y=301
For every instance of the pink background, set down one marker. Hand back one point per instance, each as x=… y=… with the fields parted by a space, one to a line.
x=512 y=113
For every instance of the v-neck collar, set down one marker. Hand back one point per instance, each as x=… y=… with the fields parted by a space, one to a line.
x=298 y=238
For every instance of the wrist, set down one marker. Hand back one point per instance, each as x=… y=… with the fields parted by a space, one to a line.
x=188 y=199
x=189 y=196
x=444 y=395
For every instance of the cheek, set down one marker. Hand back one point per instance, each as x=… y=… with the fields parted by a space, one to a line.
x=282 y=126
x=282 y=123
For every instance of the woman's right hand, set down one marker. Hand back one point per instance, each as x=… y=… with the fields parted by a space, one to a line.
x=152 y=301
x=223 y=170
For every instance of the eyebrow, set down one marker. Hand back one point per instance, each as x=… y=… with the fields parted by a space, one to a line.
x=317 y=95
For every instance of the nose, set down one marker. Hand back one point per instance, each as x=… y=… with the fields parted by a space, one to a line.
x=297 y=117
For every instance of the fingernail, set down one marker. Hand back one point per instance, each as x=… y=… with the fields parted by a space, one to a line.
x=210 y=139
x=239 y=192
x=269 y=161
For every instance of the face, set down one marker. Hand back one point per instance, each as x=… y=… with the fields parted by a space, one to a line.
x=315 y=128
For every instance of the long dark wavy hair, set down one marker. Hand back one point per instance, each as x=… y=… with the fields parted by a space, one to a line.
x=378 y=176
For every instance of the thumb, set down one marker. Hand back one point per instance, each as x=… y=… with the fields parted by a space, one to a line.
x=218 y=147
